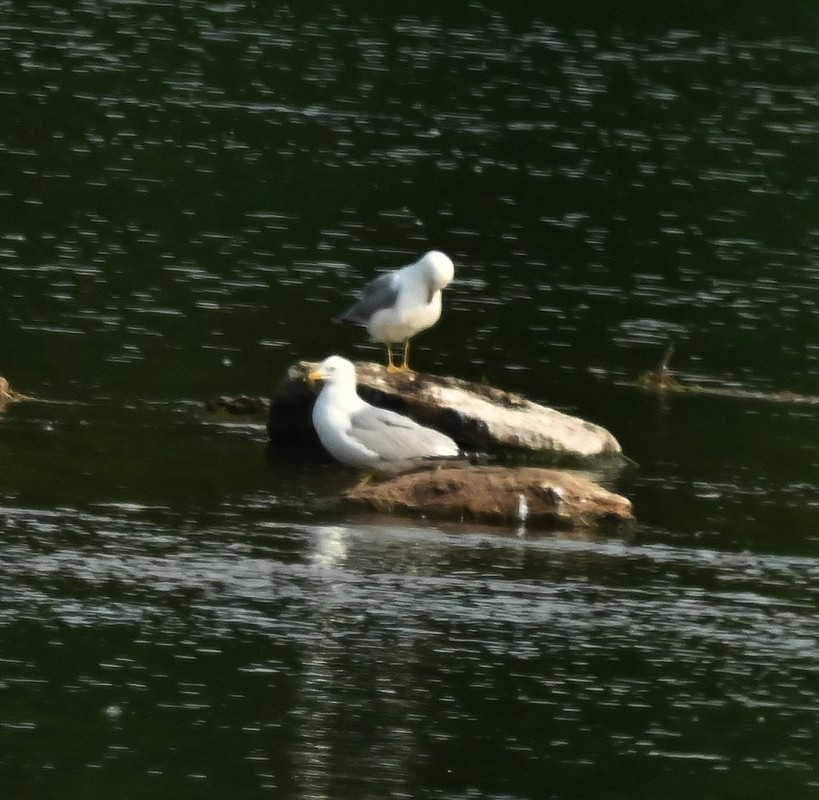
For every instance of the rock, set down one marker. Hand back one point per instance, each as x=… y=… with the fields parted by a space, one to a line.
x=478 y=417
x=8 y=395
x=661 y=381
x=239 y=407
x=556 y=499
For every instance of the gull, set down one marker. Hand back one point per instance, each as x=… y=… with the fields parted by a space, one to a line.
x=361 y=435
x=397 y=305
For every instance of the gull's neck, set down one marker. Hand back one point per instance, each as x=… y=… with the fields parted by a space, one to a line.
x=344 y=394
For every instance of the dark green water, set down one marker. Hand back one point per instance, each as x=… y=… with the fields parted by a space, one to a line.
x=189 y=191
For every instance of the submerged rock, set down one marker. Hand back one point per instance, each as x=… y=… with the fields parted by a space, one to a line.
x=8 y=395
x=477 y=416
x=543 y=499
x=239 y=407
x=661 y=381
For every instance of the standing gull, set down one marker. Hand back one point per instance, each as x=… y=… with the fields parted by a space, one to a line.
x=397 y=305
x=361 y=435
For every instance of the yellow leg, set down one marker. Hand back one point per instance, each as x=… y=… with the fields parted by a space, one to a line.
x=390 y=366
x=406 y=366
x=368 y=476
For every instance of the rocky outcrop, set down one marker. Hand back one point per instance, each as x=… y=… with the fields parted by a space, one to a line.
x=478 y=417
x=482 y=419
x=552 y=499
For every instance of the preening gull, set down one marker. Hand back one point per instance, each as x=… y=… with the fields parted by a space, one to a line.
x=361 y=435
x=397 y=305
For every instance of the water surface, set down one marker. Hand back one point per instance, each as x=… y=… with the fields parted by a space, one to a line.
x=191 y=191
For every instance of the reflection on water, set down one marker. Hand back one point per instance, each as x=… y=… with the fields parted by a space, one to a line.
x=192 y=190
x=343 y=660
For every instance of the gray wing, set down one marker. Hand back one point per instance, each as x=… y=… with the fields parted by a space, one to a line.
x=395 y=437
x=376 y=295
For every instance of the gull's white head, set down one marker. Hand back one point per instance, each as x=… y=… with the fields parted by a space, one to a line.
x=438 y=267
x=334 y=369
